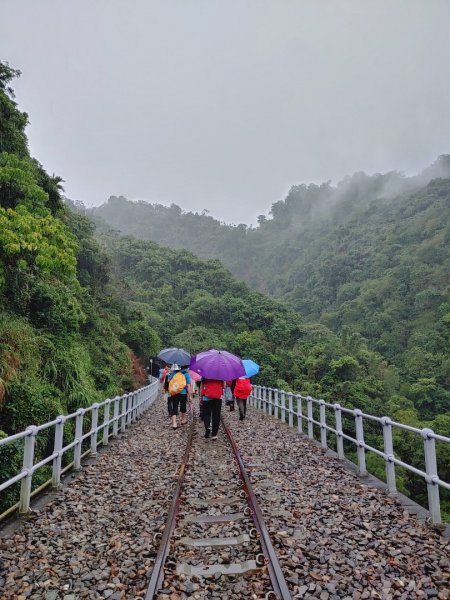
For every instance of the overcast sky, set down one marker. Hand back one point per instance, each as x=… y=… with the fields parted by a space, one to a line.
x=224 y=104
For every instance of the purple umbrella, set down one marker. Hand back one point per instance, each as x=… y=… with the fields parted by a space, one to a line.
x=217 y=364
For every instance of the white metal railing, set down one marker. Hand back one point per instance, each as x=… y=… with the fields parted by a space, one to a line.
x=125 y=410
x=281 y=405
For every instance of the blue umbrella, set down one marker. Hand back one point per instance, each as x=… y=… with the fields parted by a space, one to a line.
x=175 y=355
x=251 y=368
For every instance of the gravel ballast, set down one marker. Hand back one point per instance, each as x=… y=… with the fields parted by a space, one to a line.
x=95 y=538
x=335 y=536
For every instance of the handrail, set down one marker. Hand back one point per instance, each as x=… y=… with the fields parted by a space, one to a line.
x=280 y=404
x=126 y=409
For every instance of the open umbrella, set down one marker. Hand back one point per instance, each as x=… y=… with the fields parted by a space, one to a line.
x=217 y=364
x=194 y=376
x=175 y=355
x=251 y=368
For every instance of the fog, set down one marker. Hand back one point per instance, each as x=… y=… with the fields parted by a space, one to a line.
x=224 y=105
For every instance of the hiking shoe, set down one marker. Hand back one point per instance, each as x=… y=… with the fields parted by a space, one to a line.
x=214 y=437
x=207 y=433
x=241 y=417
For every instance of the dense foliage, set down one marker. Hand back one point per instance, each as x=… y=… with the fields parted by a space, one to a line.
x=63 y=343
x=367 y=265
x=198 y=304
x=79 y=308
x=370 y=256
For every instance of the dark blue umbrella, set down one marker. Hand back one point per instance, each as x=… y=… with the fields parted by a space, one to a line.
x=175 y=355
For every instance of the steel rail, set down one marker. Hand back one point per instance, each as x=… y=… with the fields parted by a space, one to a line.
x=157 y=576
x=278 y=580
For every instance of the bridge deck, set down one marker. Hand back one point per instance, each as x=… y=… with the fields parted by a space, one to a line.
x=336 y=537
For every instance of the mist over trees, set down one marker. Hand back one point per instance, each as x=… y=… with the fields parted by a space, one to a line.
x=370 y=256
x=362 y=315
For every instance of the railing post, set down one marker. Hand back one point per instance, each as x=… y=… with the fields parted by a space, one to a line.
x=137 y=411
x=123 y=424
x=432 y=477
x=360 y=442
x=276 y=404
x=323 y=424
x=283 y=406
x=389 y=454
x=57 y=447
x=79 y=438
x=152 y=394
x=260 y=403
x=147 y=400
x=134 y=405
x=138 y=395
x=28 y=462
x=129 y=408
x=116 y=416
x=290 y=410
x=106 y=422
x=309 y=401
x=94 y=432
x=299 y=413
x=339 y=432
x=264 y=400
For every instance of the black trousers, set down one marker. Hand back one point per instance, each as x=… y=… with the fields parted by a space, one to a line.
x=211 y=412
x=177 y=402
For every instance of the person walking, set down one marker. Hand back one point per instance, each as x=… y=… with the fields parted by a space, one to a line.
x=242 y=388
x=200 y=399
x=179 y=388
x=165 y=388
x=229 y=398
x=211 y=392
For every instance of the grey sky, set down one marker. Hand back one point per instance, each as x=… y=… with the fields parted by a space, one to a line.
x=224 y=104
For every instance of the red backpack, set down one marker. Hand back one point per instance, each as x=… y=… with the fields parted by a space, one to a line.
x=242 y=389
x=213 y=388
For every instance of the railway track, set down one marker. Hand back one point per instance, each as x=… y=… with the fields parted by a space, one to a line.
x=215 y=543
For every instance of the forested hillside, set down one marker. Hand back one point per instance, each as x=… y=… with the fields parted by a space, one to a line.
x=76 y=316
x=62 y=340
x=78 y=321
x=82 y=311
x=370 y=256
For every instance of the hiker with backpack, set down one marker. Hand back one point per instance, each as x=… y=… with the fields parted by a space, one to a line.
x=228 y=395
x=179 y=389
x=242 y=388
x=211 y=393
